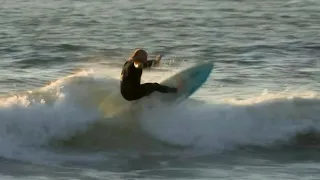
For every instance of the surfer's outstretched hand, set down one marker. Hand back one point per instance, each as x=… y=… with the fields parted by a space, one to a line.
x=159 y=57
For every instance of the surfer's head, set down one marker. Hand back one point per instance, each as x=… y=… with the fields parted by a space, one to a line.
x=139 y=55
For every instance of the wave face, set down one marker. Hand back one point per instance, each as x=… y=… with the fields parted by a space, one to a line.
x=86 y=112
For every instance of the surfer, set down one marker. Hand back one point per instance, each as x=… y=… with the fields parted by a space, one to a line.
x=131 y=88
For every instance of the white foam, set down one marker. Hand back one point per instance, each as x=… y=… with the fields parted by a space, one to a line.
x=32 y=120
x=28 y=123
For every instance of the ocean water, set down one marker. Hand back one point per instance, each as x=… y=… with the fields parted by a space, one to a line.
x=256 y=117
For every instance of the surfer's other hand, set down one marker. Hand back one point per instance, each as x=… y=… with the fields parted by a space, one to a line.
x=179 y=84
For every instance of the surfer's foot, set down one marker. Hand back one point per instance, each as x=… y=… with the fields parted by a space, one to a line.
x=173 y=90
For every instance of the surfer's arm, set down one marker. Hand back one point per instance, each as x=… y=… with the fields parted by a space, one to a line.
x=150 y=63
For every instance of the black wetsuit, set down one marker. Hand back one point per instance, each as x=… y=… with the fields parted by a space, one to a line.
x=131 y=89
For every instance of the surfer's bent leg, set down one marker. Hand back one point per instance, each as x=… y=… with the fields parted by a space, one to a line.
x=148 y=88
x=145 y=90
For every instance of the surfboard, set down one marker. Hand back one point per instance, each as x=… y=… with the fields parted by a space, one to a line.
x=188 y=81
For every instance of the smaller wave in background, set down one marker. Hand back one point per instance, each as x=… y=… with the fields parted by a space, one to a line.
x=269 y=120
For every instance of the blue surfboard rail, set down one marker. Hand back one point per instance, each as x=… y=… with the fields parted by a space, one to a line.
x=192 y=79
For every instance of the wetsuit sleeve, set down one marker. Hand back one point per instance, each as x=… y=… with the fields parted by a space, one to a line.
x=148 y=64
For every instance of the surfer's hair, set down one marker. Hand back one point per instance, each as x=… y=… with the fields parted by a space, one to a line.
x=139 y=55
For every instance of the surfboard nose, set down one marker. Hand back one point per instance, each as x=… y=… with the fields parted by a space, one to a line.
x=207 y=66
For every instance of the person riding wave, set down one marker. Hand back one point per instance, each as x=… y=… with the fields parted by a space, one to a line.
x=131 y=87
